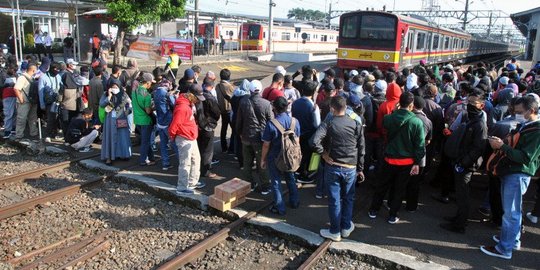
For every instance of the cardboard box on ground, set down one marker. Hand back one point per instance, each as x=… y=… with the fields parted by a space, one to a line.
x=229 y=194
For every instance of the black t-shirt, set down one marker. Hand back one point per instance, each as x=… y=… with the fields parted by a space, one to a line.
x=68 y=42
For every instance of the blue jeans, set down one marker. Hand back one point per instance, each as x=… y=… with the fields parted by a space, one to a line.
x=163 y=146
x=10 y=111
x=275 y=180
x=146 y=150
x=340 y=186
x=320 y=188
x=513 y=186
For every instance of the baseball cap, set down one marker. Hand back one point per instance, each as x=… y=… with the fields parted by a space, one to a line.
x=255 y=86
x=330 y=72
x=148 y=77
x=354 y=100
x=70 y=61
x=189 y=74
x=381 y=85
x=423 y=62
x=281 y=69
x=504 y=80
x=364 y=73
x=353 y=73
x=197 y=91
x=449 y=66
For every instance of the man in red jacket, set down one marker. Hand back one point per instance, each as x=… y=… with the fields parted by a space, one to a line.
x=393 y=92
x=184 y=131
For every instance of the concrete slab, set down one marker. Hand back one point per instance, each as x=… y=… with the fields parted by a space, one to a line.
x=311 y=238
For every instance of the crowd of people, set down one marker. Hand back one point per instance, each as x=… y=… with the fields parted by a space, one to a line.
x=390 y=127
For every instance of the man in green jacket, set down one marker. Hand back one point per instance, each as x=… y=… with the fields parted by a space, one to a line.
x=515 y=171
x=404 y=151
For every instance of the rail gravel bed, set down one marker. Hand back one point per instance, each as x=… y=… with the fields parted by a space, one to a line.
x=332 y=261
x=145 y=230
x=14 y=160
x=19 y=191
x=249 y=248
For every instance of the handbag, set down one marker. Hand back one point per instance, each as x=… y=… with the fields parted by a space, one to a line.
x=121 y=123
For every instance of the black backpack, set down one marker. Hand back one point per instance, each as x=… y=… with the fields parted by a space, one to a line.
x=33 y=91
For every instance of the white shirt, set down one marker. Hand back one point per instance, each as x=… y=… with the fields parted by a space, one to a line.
x=38 y=39
x=48 y=41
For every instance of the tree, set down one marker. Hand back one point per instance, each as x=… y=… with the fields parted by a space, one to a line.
x=129 y=14
x=301 y=14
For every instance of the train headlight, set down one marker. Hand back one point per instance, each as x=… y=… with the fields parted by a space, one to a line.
x=343 y=53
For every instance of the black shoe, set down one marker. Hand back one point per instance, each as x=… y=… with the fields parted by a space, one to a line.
x=443 y=199
x=254 y=186
x=452 y=228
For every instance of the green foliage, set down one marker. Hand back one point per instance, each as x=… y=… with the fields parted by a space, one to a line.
x=29 y=39
x=306 y=14
x=129 y=14
x=29 y=28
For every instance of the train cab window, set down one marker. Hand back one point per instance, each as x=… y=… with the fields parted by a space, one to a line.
x=378 y=27
x=350 y=27
x=254 y=32
x=285 y=36
x=420 y=41
x=435 y=42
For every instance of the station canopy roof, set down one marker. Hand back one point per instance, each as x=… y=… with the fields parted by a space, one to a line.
x=53 y=5
x=521 y=19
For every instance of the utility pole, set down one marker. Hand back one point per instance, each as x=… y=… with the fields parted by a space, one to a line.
x=270 y=23
x=489 y=25
x=465 y=15
x=329 y=15
x=196 y=23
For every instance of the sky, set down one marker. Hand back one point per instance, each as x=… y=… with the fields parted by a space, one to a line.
x=260 y=7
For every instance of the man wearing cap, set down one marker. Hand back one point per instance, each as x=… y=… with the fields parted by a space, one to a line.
x=348 y=82
x=253 y=114
x=207 y=117
x=328 y=80
x=142 y=111
x=186 y=81
x=503 y=82
x=184 y=131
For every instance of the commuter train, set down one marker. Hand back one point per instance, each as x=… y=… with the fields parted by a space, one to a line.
x=387 y=40
x=254 y=36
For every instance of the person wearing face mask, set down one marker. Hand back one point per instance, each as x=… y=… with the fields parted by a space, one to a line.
x=470 y=139
x=81 y=133
x=142 y=111
x=405 y=149
x=26 y=111
x=115 y=140
x=49 y=87
x=515 y=169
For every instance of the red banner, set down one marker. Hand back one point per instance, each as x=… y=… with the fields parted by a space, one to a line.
x=182 y=47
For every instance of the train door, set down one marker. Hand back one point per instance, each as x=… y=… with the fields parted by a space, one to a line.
x=409 y=49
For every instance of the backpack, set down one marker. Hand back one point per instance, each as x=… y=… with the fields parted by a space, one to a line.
x=498 y=162
x=49 y=96
x=33 y=91
x=288 y=159
x=452 y=147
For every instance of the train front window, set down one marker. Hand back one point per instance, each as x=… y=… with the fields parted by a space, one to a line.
x=254 y=32
x=378 y=27
x=349 y=28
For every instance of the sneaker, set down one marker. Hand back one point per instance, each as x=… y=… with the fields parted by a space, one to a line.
x=199 y=185
x=47 y=139
x=84 y=150
x=317 y=196
x=254 y=186
x=393 y=220
x=492 y=251
x=185 y=192
x=214 y=161
x=484 y=211
x=532 y=218
x=6 y=135
x=305 y=180
x=332 y=236
x=166 y=167
x=497 y=240
x=265 y=191
x=154 y=148
x=443 y=199
x=346 y=233
x=372 y=214
x=148 y=163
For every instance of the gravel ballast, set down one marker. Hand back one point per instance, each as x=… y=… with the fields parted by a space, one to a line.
x=145 y=231
x=332 y=261
x=250 y=249
x=14 y=160
x=15 y=192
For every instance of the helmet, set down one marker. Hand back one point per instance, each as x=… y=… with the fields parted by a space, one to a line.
x=3 y=46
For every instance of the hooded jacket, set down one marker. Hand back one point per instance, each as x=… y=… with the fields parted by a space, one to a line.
x=392 y=98
x=406 y=136
x=524 y=158
x=183 y=122
x=253 y=114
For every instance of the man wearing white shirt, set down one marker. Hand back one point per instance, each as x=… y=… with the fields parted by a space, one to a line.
x=47 y=41
x=38 y=42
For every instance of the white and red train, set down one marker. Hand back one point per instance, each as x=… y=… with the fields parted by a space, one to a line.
x=387 y=40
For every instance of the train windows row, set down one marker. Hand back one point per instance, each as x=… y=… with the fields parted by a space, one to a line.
x=423 y=41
